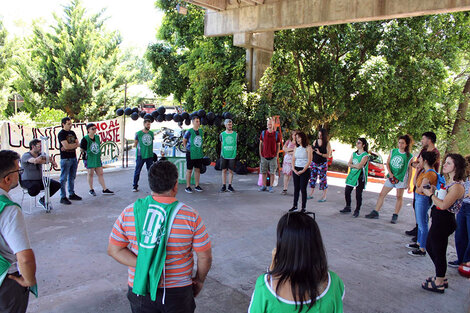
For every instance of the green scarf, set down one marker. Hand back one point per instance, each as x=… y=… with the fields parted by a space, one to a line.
x=153 y=222
x=4 y=264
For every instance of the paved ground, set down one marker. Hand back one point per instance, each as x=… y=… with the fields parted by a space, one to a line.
x=76 y=275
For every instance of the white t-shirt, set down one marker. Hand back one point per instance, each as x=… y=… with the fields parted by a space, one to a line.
x=13 y=234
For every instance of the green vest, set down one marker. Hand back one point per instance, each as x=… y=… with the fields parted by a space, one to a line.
x=195 y=148
x=263 y=299
x=4 y=264
x=354 y=173
x=145 y=144
x=229 y=145
x=93 y=152
x=153 y=221
x=399 y=163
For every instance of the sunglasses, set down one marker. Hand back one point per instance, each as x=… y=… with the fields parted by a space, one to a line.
x=312 y=214
x=20 y=172
x=93 y=128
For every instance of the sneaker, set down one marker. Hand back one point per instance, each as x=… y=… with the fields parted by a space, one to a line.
x=262 y=188
x=65 y=201
x=135 y=189
x=309 y=197
x=394 y=219
x=453 y=264
x=230 y=188
x=412 y=232
x=188 y=190
x=198 y=189
x=347 y=209
x=284 y=192
x=412 y=246
x=302 y=210
x=293 y=209
x=92 y=192
x=356 y=213
x=223 y=189
x=108 y=192
x=373 y=214
x=42 y=202
x=75 y=197
x=417 y=252
x=414 y=239
x=271 y=190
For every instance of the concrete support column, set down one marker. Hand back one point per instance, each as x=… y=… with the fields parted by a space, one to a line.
x=259 y=50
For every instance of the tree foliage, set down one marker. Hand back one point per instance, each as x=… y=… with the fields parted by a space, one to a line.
x=75 y=65
x=377 y=79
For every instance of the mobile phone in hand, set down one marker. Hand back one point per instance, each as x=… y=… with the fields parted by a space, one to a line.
x=427 y=187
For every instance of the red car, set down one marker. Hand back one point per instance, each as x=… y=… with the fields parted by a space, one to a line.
x=376 y=165
x=148 y=107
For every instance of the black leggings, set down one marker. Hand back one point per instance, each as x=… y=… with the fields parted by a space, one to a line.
x=300 y=184
x=359 y=189
x=442 y=226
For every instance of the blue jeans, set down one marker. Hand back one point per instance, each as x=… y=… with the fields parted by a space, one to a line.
x=462 y=234
x=139 y=163
x=68 y=169
x=422 y=205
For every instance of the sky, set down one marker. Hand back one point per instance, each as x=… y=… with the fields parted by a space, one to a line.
x=136 y=20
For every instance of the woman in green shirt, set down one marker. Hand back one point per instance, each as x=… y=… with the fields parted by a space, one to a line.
x=399 y=175
x=299 y=279
x=357 y=177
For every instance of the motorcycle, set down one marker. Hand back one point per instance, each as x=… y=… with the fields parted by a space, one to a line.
x=171 y=140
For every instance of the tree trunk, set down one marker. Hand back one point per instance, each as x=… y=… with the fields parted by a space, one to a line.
x=460 y=118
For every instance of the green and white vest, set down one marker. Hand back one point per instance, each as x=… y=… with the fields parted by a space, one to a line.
x=196 y=141
x=399 y=163
x=354 y=173
x=229 y=145
x=145 y=144
x=93 y=152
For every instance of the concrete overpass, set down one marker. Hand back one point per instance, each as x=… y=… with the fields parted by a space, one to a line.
x=253 y=22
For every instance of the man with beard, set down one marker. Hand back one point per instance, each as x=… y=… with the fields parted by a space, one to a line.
x=144 y=152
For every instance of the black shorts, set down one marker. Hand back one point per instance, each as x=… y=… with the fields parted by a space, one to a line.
x=197 y=163
x=227 y=164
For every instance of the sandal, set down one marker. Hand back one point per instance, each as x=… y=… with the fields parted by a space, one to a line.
x=433 y=278
x=434 y=287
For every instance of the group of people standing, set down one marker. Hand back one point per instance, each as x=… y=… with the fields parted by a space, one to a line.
x=445 y=195
x=31 y=177
x=306 y=164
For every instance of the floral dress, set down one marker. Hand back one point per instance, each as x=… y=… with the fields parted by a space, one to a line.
x=287 y=162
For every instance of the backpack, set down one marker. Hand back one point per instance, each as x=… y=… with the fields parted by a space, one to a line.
x=240 y=168
x=262 y=135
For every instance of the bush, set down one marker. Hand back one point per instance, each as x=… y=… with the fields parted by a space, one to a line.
x=49 y=117
x=22 y=118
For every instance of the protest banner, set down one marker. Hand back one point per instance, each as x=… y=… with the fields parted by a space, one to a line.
x=17 y=137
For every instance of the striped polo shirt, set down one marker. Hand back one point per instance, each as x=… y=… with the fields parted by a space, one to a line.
x=188 y=233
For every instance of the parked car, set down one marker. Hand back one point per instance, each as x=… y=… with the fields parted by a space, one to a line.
x=148 y=107
x=376 y=165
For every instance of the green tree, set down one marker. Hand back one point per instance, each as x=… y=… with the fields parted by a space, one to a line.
x=75 y=67
x=5 y=71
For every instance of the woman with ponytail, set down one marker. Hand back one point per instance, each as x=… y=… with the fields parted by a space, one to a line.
x=399 y=175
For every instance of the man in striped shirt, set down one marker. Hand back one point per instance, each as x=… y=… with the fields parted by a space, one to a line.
x=186 y=233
